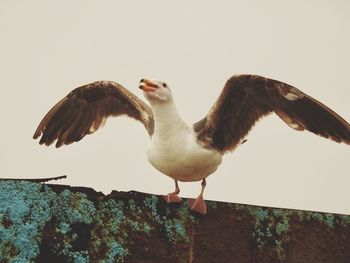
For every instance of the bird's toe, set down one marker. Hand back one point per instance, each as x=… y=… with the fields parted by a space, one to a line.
x=198 y=205
x=172 y=198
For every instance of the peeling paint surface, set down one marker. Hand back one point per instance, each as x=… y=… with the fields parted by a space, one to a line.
x=51 y=223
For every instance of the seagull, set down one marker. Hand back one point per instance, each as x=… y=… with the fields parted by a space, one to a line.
x=184 y=152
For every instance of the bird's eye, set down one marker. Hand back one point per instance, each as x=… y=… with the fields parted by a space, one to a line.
x=164 y=85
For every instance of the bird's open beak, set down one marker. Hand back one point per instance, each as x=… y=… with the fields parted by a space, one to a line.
x=147 y=85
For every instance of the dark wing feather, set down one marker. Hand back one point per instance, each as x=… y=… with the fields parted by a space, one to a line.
x=247 y=98
x=85 y=109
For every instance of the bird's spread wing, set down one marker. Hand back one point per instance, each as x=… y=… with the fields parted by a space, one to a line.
x=247 y=98
x=86 y=108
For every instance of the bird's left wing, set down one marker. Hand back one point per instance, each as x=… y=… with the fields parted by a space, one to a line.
x=85 y=109
x=247 y=98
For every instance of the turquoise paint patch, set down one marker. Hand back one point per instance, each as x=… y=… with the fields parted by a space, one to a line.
x=271 y=227
x=261 y=214
x=72 y=208
x=175 y=226
x=329 y=218
x=117 y=253
x=80 y=257
x=344 y=220
x=26 y=209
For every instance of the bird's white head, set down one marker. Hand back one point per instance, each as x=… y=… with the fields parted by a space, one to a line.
x=155 y=91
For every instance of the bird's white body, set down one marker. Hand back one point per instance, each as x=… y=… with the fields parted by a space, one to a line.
x=174 y=150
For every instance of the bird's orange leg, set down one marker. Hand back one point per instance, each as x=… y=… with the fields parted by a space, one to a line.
x=198 y=204
x=174 y=196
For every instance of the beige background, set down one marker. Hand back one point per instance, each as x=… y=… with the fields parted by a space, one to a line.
x=48 y=48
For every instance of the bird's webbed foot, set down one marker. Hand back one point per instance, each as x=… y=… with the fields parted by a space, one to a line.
x=198 y=205
x=174 y=196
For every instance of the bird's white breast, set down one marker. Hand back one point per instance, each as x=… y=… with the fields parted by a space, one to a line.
x=178 y=155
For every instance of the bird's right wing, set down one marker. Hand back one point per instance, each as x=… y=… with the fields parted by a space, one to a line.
x=85 y=109
x=247 y=98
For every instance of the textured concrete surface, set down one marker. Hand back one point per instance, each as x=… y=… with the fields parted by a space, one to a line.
x=55 y=223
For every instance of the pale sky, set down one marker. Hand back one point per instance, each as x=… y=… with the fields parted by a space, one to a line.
x=47 y=48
